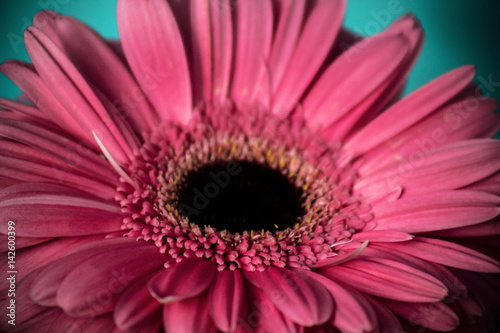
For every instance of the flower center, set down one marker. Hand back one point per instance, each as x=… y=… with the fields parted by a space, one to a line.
x=243 y=189
x=240 y=196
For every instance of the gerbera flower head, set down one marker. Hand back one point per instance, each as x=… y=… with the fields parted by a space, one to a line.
x=245 y=166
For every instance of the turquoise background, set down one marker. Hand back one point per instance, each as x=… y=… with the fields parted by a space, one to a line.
x=457 y=31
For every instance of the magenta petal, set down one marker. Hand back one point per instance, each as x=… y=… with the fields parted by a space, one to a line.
x=353 y=77
x=455 y=165
x=353 y=313
x=99 y=65
x=222 y=45
x=155 y=51
x=304 y=301
x=49 y=277
x=310 y=52
x=74 y=93
x=186 y=279
x=137 y=310
x=227 y=300
x=253 y=30
x=56 y=211
x=436 y=211
x=388 y=279
x=423 y=102
x=188 y=316
x=265 y=317
x=94 y=286
x=446 y=253
x=435 y=316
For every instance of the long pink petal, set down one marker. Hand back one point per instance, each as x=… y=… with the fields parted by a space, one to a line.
x=201 y=50
x=288 y=28
x=455 y=166
x=137 y=310
x=222 y=47
x=435 y=316
x=353 y=77
x=184 y=280
x=265 y=317
x=466 y=119
x=94 y=286
x=26 y=78
x=49 y=277
x=253 y=35
x=491 y=228
x=99 y=65
x=188 y=316
x=155 y=51
x=65 y=149
x=436 y=211
x=32 y=258
x=388 y=279
x=446 y=253
x=24 y=108
x=74 y=93
x=306 y=302
x=422 y=102
x=56 y=211
x=227 y=300
x=353 y=313
x=311 y=50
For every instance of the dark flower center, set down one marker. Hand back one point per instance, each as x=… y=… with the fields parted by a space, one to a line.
x=240 y=196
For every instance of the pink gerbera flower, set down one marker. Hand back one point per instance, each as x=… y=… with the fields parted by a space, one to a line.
x=227 y=167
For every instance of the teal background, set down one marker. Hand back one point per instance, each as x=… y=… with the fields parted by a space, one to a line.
x=457 y=31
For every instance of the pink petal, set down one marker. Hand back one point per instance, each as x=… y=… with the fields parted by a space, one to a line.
x=73 y=91
x=93 y=287
x=222 y=47
x=388 y=322
x=306 y=302
x=435 y=316
x=154 y=49
x=352 y=78
x=23 y=108
x=65 y=149
x=310 y=52
x=388 y=279
x=353 y=313
x=483 y=229
x=56 y=211
x=490 y=184
x=32 y=258
x=436 y=211
x=227 y=300
x=382 y=236
x=26 y=164
x=188 y=316
x=466 y=119
x=26 y=78
x=253 y=35
x=446 y=253
x=285 y=38
x=49 y=277
x=455 y=165
x=137 y=310
x=422 y=102
x=96 y=61
x=201 y=49
x=265 y=317
x=184 y=280
x=22 y=242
